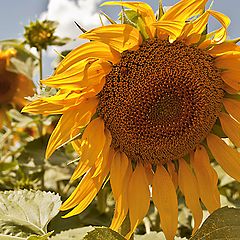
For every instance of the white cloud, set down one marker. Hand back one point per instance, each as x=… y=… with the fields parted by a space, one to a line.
x=65 y=12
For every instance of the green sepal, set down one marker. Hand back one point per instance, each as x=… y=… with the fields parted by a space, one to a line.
x=107 y=17
x=160 y=10
x=131 y=17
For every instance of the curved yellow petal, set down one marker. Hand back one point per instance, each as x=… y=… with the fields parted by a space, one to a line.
x=220 y=34
x=232 y=78
x=71 y=123
x=120 y=161
x=138 y=197
x=173 y=173
x=42 y=107
x=230 y=127
x=172 y=28
x=85 y=192
x=121 y=37
x=82 y=74
x=92 y=144
x=188 y=186
x=121 y=206
x=65 y=97
x=207 y=179
x=95 y=49
x=192 y=31
x=143 y=9
x=184 y=10
x=223 y=48
x=233 y=107
x=199 y=25
x=227 y=157
x=165 y=198
x=106 y=153
x=226 y=61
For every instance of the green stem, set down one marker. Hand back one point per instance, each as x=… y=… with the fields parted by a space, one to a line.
x=41 y=118
x=40 y=64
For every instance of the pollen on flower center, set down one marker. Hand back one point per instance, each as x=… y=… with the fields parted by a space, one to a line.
x=160 y=101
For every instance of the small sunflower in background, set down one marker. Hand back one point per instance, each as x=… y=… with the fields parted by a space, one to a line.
x=14 y=86
x=151 y=100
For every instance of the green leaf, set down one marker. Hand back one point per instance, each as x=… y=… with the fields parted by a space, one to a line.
x=4 y=166
x=77 y=233
x=23 y=212
x=103 y=233
x=37 y=237
x=154 y=236
x=36 y=150
x=23 y=120
x=224 y=223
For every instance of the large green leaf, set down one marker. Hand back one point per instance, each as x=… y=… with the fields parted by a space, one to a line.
x=224 y=223
x=77 y=233
x=24 y=213
x=103 y=233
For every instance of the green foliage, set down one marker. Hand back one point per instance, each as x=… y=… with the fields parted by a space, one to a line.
x=40 y=34
x=77 y=233
x=103 y=234
x=24 y=213
x=23 y=62
x=222 y=224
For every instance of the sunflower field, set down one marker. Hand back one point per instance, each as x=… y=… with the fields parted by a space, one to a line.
x=135 y=133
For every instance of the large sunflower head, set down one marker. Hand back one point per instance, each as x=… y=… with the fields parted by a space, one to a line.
x=150 y=100
x=14 y=86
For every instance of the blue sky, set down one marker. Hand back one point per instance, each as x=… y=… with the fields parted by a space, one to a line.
x=14 y=14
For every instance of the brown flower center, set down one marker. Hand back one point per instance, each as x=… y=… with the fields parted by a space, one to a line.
x=8 y=86
x=160 y=101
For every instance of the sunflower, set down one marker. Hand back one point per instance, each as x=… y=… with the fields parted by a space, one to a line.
x=148 y=103
x=13 y=86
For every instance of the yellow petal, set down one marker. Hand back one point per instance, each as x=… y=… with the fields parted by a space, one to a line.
x=194 y=33
x=71 y=123
x=121 y=206
x=121 y=37
x=172 y=28
x=199 y=25
x=188 y=186
x=106 y=153
x=143 y=9
x=232 y=79
x=227 y=157
x=118 y=170
x=42 y=107
x=165 y=199
x=138 y=197
x=92 y=144
x=233 y=107
x=221 y=33
x=82 y=74
x=149 y=173
x=223 y=48
x=231 y=128
x=226 y=61
x=207 y=179
x=184 y=10
x=85 y=192
x=95 y=49
x=173 y=173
